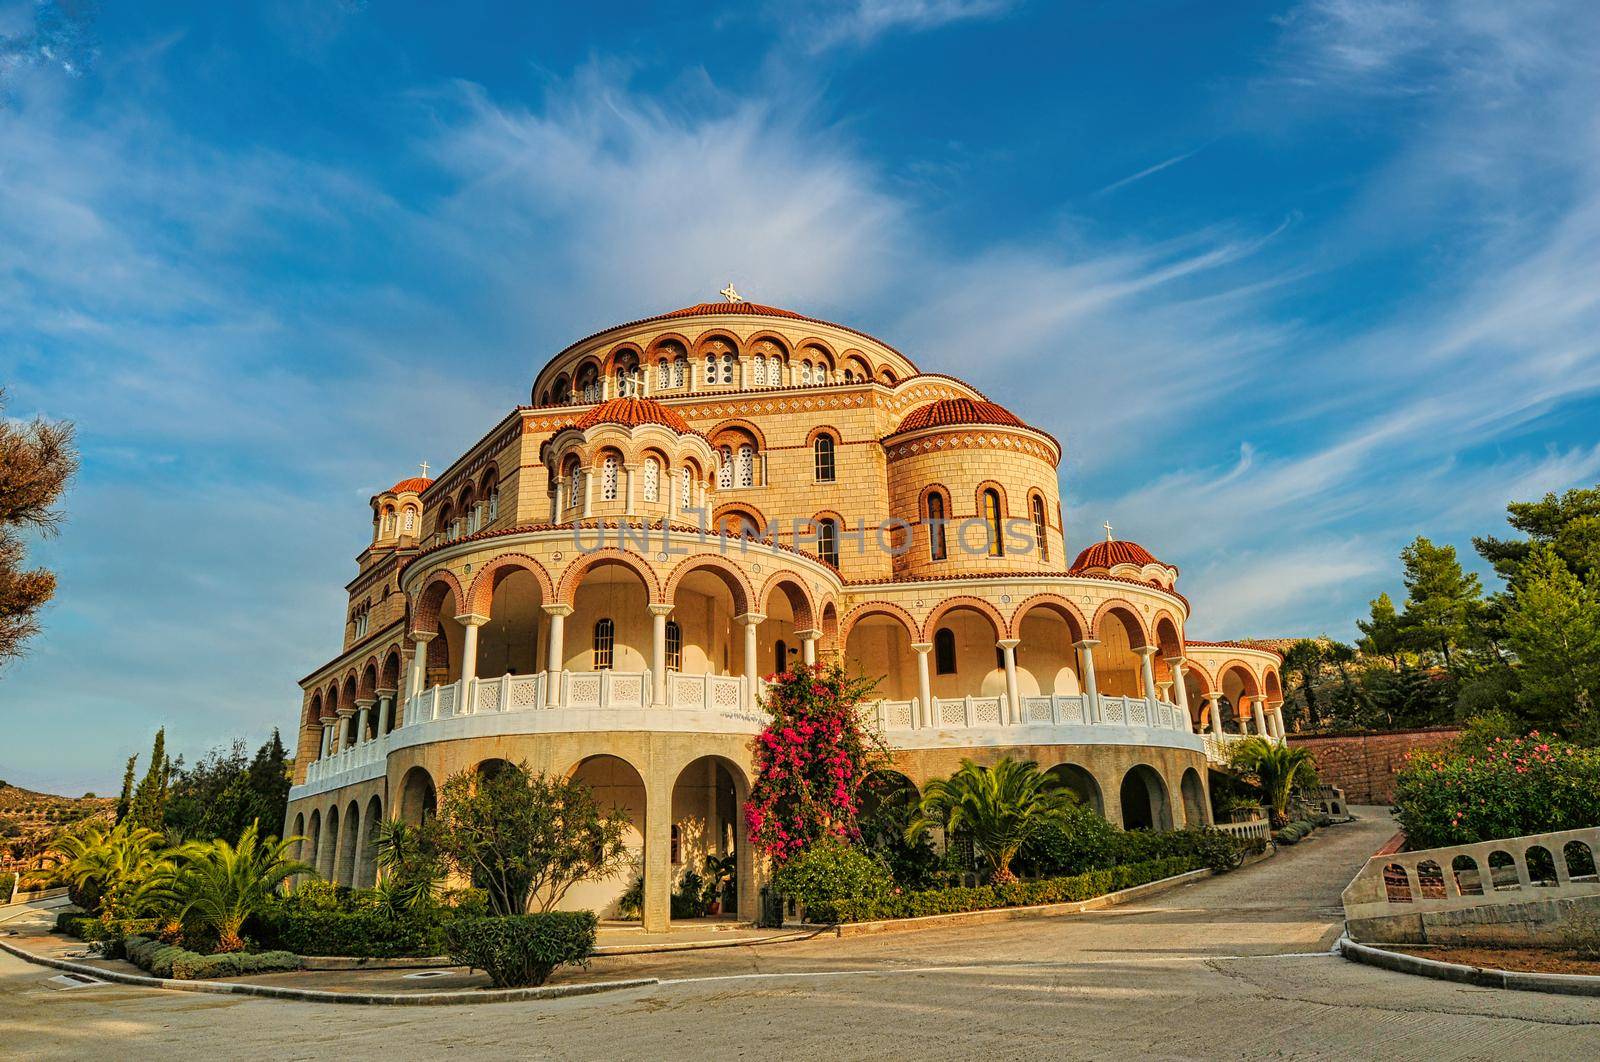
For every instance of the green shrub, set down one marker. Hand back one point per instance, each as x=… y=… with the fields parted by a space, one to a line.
x=1516 y=786
x=170 y=961
x=368 y=932
x=1084 y=841
x=830 y=869
x=1084 y=886
x=96 y=930
x=518 y=950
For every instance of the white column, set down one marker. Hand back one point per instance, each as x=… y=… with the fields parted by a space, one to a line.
x=555 y=501
x=1216 y=713
x=628 y=475
x=588 y=492
x=808 y=646
x=469 y=659
x=1180 y=690
x=751 y=621
x=1259 y=715
x=1008 y=653
x=327 y=741
x=556 y=661
x=363 y=714
x=1277 y=718
x=1148 y=673
x=385 y=711
x=342 y=728
x=924 y=682
x=1091 y=689
x=658 y=654
x=419 y=662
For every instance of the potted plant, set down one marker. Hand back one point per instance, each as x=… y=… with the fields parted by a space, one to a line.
x=720 y=872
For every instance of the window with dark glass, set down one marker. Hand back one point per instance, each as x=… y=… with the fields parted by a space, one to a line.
x=823 y=449
x=780 y=656
x=991 y=518
x=1039 y=528
x=674 y=646
x=828 y=542
x=604 y=638
x=944 y=651
x=936 y=549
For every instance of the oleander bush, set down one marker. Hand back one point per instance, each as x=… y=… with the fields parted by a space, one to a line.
x=1512 y=787
x=517 y=950
x=1084 y=886
x=160 y=959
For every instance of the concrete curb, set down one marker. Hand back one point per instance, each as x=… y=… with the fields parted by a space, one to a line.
x=707 y=945
x=1483 y=977
x=1009 y=914
x=311 y=995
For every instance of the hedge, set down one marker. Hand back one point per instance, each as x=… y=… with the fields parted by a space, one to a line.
x=368 y=933
x=518 y=950
x=1292 y=833
x=1084 y=886
x=169 y=960
x=90 y=928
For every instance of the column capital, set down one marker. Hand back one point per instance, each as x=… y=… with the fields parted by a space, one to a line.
x=1087 y=643
x=385 y=691
x=1008 y=643
x=657 y=608
x=366 y=702
x=1147 y=650
x=424 y=636
x=1175 y=661
x=922 y=647
x=472 y=619
x=345 y=713
x=808 y=635
x=557 y=610
x=749 y=619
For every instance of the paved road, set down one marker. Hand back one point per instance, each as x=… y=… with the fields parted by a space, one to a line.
x=1234 y=967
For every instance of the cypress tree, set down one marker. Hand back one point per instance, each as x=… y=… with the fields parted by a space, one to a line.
x=149 y=806
x=125 y=801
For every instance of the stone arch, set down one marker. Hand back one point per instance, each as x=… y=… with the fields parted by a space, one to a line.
x=871 y=608
x=330 y=702
x=750 y=515
x=1081 y=781
x=1062 y=607
x=313 y=716
x=1145 y=804
x=1272 y=687
x=618 y=354
x=1237 y=682
x=310 y=848
x=730 y=574
x=617 y=785
x=389 y=676
x=366 y=863
x=1195 y=804
x=344 y=868
x=327 y=850
x=418 y=796
x=568 y=586
x=1124 y=612
x=828 y=617
x=965 y=602
x=795 y=592
x=441 y=589
x=299 y=832
x=722 y=830
x=367 y=687
x=349 y=691
x=481 y=593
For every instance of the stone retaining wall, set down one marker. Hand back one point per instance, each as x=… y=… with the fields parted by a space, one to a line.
x=1364 y=764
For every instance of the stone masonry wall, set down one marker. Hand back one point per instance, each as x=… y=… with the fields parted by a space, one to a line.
x=1364 y=765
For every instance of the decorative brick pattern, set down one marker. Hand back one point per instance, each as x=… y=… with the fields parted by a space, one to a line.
x=1364 y=765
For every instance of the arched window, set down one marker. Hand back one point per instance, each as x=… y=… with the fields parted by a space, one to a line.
x=805 y=374
x=574 y=484
x=725 y=467
x=663 y=373
x=822 y=450
x=685 y=488
x=627 y=372
x=828 y=541
x=991 y=519
x=944 y=651
x=1036 y=503
x=775 y=370
x=674 y=646
x=727 y=368
x=780 y=656
x=936 y=518
x=652 y=479
x=494 y=502
x=589 y=384
x=608 y=478
x=747 y=465
x=604 y=637
x=680 y=370
x=410 y=519
x=711 y=368
x=758 y=371
x=563 y=391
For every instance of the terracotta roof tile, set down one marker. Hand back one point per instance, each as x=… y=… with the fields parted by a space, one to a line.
x=414 y=485
x=947 y=412
x=1108 y=554
x=632 y=412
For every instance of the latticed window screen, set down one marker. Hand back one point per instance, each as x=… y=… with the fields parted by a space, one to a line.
x=652 y=479
x=823 y=450
x=608 y=478
x=411 y=519
x=711 y=368
x=680 y=371
x=758 y=371
x=747 y=465
x=775 y=371
x=663 y=373
x=494 y=504
x=805 y=373
x=574 y=486
x=605 y=633
x=936 y=548
x=674 y=646
x=727 y=368
x=725 y=467
x=685 y=488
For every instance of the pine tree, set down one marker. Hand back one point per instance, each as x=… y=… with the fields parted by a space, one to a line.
x=1380 y=635
x=1553 y=626
x=125 y=801
x=1441 y=600
x=36 y=461
x=1569 y=524
x=149 y=807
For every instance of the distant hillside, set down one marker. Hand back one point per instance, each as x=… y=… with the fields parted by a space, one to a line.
x=28 y=818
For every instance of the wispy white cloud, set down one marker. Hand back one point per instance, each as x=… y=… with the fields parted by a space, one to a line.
x=860 y=22
x=1148 y=171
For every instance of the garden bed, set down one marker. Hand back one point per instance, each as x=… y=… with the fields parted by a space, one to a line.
x=1519 y=960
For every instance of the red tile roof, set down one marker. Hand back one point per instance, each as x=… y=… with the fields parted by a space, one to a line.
x=631 y=412
x=1108 y=554
x=947 y=412
x=414 y=485
x=731 y=307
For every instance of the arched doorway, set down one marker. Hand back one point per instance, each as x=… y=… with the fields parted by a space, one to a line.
x=617 y=786
x=344 y=871
x=1082 y=783
x=1195 y=804
x=709 y=837
x=1118 y=669
x=418 y=800
x=1047 y=663
x=1144 y=800
x=327 y=852
x=366 y=871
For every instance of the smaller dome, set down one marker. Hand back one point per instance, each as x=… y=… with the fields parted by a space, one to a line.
x=632 y=412
x=751 y=309
x=1108 y=554
x=414 y=485
x=947 y=412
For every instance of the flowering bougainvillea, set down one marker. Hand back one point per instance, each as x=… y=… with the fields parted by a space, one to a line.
x=1514 y=786
x=810 y=761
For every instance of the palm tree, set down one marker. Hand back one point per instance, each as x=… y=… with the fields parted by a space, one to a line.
x=410 y=865
x=999 y=807
x=222 y=885
x=1277 y=769
x=107 y=871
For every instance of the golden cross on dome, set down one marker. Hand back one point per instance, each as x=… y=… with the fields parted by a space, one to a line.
x=730 y=294
x=1107 y=526
x=424 y=470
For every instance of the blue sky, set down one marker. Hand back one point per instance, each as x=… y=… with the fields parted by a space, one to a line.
x=1294 y=282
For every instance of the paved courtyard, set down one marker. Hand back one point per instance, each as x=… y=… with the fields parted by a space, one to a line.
x=1231 y=967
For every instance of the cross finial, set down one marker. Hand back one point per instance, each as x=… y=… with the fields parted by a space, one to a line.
x=1107 y=526
x=424 y=470
x=730 y=293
